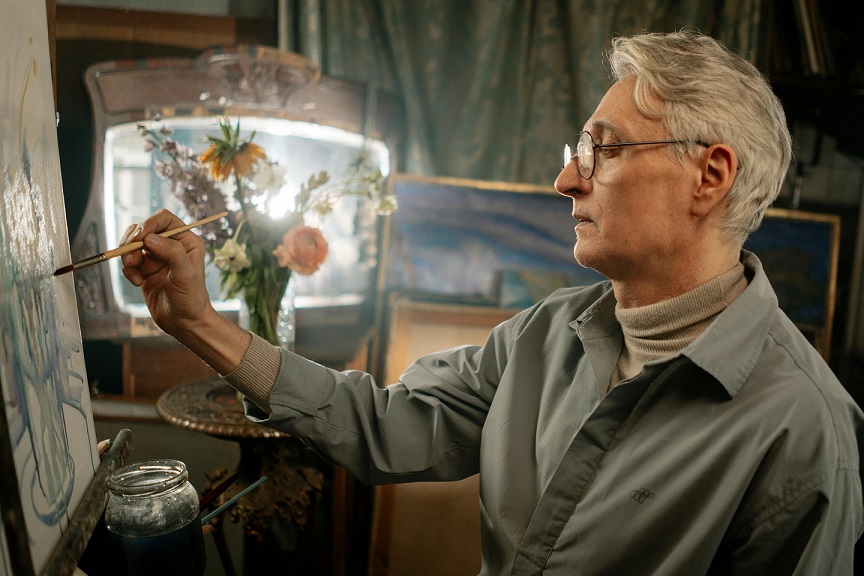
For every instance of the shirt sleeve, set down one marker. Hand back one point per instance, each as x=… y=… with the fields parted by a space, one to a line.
x=814 y=532
x=256 y=375
x=427 y=426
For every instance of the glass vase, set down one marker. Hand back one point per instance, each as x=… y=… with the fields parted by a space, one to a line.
x=275 y=321
x=286 y=317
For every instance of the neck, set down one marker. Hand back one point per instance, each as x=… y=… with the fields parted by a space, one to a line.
x=667 y=327
x=673 y=279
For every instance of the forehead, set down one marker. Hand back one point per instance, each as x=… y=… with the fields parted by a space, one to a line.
x=618 y=115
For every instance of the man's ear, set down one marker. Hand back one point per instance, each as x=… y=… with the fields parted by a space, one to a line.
x=719 y=168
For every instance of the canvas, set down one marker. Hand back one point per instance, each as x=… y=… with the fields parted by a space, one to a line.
x=43 y=382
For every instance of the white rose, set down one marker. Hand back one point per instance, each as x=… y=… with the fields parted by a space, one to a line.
x=231 y=257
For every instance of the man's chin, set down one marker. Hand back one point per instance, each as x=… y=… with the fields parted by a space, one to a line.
x=583 y=257
x=589 y=260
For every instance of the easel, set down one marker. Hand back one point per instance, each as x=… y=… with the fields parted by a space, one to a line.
x=74 y=541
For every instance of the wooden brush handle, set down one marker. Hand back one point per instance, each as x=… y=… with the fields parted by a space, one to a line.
x=132 y=246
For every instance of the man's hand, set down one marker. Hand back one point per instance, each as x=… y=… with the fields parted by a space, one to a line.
x=170 y=273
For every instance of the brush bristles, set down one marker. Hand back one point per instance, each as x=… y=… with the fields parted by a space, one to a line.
x=64 y=270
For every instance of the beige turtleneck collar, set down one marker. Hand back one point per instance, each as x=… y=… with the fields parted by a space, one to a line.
x=666 y=327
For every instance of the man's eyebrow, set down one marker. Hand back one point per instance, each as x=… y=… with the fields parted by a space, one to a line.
x=602 y=127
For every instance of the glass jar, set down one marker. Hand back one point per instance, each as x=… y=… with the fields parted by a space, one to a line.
x=154 y=512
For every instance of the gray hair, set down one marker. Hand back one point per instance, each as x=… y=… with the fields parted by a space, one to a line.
x=710 y=94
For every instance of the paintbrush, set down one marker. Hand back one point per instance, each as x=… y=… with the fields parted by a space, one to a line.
x=132 y=246
x=233 y=499
x=214 y=493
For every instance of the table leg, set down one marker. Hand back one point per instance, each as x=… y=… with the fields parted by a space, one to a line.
x=277 y=517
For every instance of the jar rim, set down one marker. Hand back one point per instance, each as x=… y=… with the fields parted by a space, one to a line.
x=148 y=477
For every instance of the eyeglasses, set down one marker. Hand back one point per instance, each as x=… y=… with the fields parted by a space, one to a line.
x=586 y=146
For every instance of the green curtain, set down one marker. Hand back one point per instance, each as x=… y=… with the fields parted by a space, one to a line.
x=493 y=88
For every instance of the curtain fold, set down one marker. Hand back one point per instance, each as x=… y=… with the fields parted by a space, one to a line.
x=493 y=88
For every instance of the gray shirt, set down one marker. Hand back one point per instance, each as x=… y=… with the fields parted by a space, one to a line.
x=737 y=455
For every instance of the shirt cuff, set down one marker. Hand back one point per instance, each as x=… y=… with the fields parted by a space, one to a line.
x=256 y=375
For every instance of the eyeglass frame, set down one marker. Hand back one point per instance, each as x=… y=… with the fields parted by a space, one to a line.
x=594 y=147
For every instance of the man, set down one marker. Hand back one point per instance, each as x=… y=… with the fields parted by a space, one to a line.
x=669 y=421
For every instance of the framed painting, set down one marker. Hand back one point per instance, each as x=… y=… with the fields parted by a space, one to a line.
x=514 y=242
x=49 y=444
x=499 y=245
x=799 y=251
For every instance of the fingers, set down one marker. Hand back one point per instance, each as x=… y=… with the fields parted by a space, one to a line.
x=169 y=271
x=131 y=231
x=163 y=254
x=157 y=223
x=170 y=252
x=133 y=275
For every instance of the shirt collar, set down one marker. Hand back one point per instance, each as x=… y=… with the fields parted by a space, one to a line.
x=598 y=320
x=729 y=348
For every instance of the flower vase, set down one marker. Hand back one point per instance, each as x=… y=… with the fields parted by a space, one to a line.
x=270 y=316
x=286 y=317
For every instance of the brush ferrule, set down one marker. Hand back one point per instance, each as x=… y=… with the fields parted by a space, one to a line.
x=90 y=261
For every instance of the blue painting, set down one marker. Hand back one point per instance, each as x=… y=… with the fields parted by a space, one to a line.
x=501 y=244
x=799 y=253
x=43 y=382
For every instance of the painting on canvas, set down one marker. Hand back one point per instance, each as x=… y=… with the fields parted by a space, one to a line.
x=799 y=251
x=499 y=243
x=43 y=382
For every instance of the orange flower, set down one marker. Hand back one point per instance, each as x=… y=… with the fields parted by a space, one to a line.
x=240 y=161
x=229 y=153
x=303 y=250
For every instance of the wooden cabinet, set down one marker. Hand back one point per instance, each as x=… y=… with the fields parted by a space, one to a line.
x=151 y=367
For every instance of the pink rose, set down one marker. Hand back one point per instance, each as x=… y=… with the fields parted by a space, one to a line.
x=303 y=250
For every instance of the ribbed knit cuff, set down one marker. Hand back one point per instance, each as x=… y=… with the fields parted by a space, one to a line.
x=257 y=373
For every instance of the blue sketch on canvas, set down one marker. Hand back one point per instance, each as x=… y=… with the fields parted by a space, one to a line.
x=42 y=376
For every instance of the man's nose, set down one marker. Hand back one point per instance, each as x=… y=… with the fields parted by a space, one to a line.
x=570 y=182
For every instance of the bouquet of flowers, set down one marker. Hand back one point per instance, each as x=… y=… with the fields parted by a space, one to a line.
x=257 y=250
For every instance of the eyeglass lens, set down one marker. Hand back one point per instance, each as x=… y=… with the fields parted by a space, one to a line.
x=585 y=154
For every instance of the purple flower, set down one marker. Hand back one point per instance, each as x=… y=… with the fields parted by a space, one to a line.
x=169 y=147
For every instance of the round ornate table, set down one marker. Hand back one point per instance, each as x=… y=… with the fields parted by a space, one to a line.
x=276 y=516
x=211 y=406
